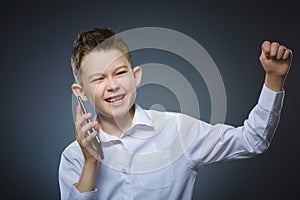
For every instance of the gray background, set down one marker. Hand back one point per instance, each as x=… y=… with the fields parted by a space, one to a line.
x=36 y=118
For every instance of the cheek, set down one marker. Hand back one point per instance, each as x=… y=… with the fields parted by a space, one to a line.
x=127 y=83
x=96 y=93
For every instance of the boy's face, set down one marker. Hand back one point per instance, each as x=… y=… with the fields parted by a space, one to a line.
x=109 y=82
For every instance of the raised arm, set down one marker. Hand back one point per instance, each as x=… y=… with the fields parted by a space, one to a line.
x=214 y=143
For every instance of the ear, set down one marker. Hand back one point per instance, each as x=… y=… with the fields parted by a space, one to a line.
x=137 y=73
x=78 y=91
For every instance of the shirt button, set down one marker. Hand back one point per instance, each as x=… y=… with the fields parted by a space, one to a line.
x=124 y=171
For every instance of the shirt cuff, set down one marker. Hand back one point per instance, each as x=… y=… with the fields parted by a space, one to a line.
x=75 y=194
x=271 y=100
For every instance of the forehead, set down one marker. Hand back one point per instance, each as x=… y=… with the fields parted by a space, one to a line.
x=102 y=61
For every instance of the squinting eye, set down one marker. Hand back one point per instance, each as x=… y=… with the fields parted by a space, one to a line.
x=97 y=79
x=121 y=72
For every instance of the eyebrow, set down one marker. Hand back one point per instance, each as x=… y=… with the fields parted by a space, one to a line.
x=100 y=74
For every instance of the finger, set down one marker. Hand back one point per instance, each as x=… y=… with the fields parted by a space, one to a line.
x=287 y=54
x=78 y=114
x=97 y=126
x=88 y=140
x=90 y=146
x=91 y=137
x=280 y=52
x=266 y=48
x=87 y=127
x=81 y=118
x=79 y=124
x=274 y=49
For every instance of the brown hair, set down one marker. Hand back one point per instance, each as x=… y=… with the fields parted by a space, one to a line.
x=90 y=40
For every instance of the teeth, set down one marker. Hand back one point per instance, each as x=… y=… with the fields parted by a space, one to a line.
x=115 y=99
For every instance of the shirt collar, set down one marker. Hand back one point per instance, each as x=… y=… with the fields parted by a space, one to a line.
x=140 y=118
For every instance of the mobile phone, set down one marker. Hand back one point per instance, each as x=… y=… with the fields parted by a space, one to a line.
x=96 y=141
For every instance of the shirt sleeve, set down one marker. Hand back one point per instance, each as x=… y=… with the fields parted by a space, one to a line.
x=70 y=168
x=214 y=143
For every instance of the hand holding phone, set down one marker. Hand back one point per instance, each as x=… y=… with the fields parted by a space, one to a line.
x=97 y=140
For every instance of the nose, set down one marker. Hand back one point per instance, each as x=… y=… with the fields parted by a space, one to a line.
x=112 y=84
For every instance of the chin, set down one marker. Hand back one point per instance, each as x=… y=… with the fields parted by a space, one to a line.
x=115 y=112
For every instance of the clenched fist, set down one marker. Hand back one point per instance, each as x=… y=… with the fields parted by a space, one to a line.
x=276 y=60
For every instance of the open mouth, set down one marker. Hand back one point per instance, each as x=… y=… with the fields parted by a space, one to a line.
x=115 y=99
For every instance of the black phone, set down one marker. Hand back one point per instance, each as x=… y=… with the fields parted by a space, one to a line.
x=96 y=141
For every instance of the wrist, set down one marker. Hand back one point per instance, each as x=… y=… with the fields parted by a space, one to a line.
x=91 y=163
x=274 y=82
x=87 y=179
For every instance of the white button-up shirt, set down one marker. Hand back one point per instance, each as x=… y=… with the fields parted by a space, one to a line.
x=159 y=156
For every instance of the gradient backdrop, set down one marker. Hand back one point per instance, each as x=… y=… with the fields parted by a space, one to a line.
x=36 y=120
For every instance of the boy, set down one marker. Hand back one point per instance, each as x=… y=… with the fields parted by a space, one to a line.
x=150 y=154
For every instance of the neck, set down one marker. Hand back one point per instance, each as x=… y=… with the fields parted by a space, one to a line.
x=116 y=125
